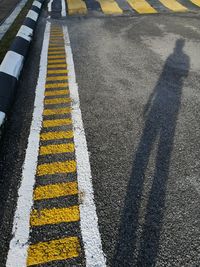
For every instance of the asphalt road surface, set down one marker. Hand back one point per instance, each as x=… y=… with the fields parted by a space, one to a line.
x=138 y=80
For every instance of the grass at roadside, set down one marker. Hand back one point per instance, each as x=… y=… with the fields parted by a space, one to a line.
x=12 y=31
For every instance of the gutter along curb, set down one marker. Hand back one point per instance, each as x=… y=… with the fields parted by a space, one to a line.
x=13 y=61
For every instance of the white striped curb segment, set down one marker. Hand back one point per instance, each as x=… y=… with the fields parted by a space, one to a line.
x=13 y=61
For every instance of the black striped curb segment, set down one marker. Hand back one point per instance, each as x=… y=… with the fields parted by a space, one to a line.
x=13 y=61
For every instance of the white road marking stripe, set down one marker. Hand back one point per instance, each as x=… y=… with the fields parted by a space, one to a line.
x=12 y=64
x=32 y=15
x=63 y=12
x=18 y=245
x=89 y=221
x=2 y=117
x=7 y=23
x=49 y=5
x=25 y=32
x=37 y=4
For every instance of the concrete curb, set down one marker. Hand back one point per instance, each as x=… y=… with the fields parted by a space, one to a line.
x=13 y=61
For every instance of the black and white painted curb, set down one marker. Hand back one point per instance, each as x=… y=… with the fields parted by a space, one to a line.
x=13 y=61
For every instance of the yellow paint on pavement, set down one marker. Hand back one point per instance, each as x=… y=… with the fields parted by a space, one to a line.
x=196 y=2
x=57 y=56
x=54 y=250
x=54 y=216
x=56 y=135
x=55 y=101
x=55 y=123
x=57 y=148
x=54 y=66
x=76 y=7
x=56 y=61
x=173 y=5
x=55 y=48
x=56 y=53
x=56 y=167
x=56 y=92
x=142 y=6
x=56 y=78
x=110 y=7
x=55 y=190
x=56 y=85
x=56 y=111
x=56 y=72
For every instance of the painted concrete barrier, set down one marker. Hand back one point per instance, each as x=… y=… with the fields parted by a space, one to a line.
x=13 y=61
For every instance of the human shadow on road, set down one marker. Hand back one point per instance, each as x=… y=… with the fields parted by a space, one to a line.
x=160 y=113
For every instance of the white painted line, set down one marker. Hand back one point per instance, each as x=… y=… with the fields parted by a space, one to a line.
x=2 y=117
x=17 y=253
x=8 y=22
x=89 y=221
x=32 y=15
x=25 y=32
x=63 y=12
x=12 y=64
x=49 y=5
x=37 y=4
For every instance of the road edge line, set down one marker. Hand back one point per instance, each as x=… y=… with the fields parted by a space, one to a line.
x=17 y=253
x=89 y=221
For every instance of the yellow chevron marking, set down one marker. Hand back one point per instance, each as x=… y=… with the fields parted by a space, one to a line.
x=56 y=92
x=54 y=216
x=56 y=167
x=141 y=6
x=56 y=111
x=76 y=7
x=173 y=5
x=196 y=2
x=56 y=149
x=60 y=249
x=56 y=135
x=55 y=101
x=55 y=123
x=55 y=48
x=110 y=7
x=56 y=53
x=56 y=85
x=55 y=190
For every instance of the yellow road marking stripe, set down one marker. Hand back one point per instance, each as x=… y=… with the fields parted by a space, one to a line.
x=52 y=66
x=56 y=149
x=56 y=101
x=54 y=216
x=55 y=190
x=56 y=167
x=57 y=53
x=141 y=6
x=56 y=111
x=56 y=34
x=56 y=61
x=76 y=7
x=56 y=135
x=57 y=78
x=196 y=2
x=57 y=56
x=56 y=85
x=56 y=92
x=55 y=48
x=60 y=249
x=173 y=5
x=55 y=123
x=110 y=7
x=56 y=71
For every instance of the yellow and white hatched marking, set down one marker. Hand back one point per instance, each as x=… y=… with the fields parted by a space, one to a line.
x=51 y=225
x=113 y=7
x=56 y=144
